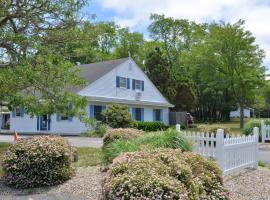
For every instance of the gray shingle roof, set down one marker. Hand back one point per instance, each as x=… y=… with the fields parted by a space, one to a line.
x=91 y=72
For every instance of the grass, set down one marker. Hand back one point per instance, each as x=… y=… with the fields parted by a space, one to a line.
x=88 y=157
x=3 y=148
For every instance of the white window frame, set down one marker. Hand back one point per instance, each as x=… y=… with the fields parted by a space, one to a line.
x=18 y=112
x=139 y=84
x=122 y=82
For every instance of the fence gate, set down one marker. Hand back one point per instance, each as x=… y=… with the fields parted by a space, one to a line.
x=265 y=129
x=232 y=153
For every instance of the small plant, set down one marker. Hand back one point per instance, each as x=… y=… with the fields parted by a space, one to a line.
x=121 y=133
x=101 y=129
x=163 y=174
x=248 y=128
x=38 y=161
x=150 y=126
x=261 y=163
x=117 y=116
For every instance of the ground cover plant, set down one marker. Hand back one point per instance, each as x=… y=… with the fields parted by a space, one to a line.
x=163 y=174
x=163 y=139
x=38 y=161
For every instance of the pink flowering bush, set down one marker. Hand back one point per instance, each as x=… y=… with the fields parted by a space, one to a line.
x=163 y=174
x=38 y=161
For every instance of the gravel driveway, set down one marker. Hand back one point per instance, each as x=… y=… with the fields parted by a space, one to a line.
x=249 y=185
x=85 y=185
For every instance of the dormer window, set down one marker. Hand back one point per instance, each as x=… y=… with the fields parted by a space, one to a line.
x=122 y=82
x=138 y=84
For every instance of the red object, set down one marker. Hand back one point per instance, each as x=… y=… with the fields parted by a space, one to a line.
x=15 y=136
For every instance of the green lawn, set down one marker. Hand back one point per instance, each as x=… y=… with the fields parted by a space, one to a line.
x=3 y=148
x=88 y=157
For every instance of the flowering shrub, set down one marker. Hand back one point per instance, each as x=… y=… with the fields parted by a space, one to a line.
x=163 y=174
x=121 y=133
x=38 y=161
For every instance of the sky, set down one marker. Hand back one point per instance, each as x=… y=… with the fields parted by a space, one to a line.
x=135 y=14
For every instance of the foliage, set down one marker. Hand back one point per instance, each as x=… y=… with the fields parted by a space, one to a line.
x=38 y=161
x=3 y=148
x=150 y=126
x=117 y=116
x=213 y=128
x=31 y=66
x=165 y=139
x=248 y=128
x=164 y=174
x=121 y=133
x=261 y=163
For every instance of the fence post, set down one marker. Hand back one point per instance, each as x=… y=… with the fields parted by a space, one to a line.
x=256 y=152
x=220 y=148
x=178 y=127
x=263 y=131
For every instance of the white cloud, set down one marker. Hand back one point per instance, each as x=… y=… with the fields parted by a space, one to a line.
x=135 y=13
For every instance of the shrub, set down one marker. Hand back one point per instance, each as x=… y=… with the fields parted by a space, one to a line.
x=38 y=161
x=163 y=174
x=167 y=139
x=248 y=127
x=150 y=126
x=101 y=129
x=121 y=133
x=117 y=116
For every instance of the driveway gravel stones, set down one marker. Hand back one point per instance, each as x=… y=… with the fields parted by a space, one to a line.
x=85 y=185
x=249 y=185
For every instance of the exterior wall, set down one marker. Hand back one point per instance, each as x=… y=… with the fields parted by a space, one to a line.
x=26 y=124
x=106 y=85
x=235 y=114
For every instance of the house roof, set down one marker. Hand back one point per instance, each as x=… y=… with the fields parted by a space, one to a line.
x=91 y=72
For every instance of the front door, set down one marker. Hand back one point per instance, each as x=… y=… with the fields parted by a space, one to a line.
x=44 y=122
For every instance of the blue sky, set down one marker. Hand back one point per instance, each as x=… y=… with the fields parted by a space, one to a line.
x=135 y=14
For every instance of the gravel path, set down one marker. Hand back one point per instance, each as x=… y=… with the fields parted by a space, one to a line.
x=249 y=185
x=86 y=184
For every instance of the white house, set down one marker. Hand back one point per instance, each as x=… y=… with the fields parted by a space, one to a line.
x=118 y=81
x=236 y=113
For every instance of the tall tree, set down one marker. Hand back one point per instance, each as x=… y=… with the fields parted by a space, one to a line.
x=33 y=73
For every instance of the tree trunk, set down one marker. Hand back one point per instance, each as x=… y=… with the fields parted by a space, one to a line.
x=241 y=116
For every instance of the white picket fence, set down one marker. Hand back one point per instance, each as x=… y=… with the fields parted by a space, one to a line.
x=232 y=153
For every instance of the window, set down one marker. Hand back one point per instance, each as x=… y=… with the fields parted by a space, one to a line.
x=138 y=84
x=157 y=115
x=123 y=82
x=18 y=112
x=64 y=117
x=138 y=114
x=97 y=112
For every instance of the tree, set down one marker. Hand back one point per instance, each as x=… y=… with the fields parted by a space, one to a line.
x=229 y=53
x=34 y=74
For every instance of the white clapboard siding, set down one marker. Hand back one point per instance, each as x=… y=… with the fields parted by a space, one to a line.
x=232 y=153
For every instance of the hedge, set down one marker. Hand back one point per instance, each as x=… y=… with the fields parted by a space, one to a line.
x=150 y=126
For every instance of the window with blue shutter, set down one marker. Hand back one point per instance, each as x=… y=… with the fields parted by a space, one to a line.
x=133 y=84
x=18 y=112
x=157 y=114
x=128 y=83
x=138 y=114
x=142 y=114
x=142 y=85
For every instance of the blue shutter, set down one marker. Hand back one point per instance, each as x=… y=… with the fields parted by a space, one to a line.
x=134 y=113
x=70 y=108
x=161 y=115
x=133 y=84
x=49 y=122
x=38 y=123
x=117 y=81
x=142 y=85
x=154 y=114
x=128 y=83
x=142 y=114
x=13 y=114
x=91 y=111
x=22 y=112
x=58 y=117
x=103 y=107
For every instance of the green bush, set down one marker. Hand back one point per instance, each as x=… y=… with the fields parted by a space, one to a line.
x=117 y=116
x=167 y=139
x=150 y=126
x=101 y=129
x=248 y=127
x=163 y=174
x=121 y=133
x=38 y=161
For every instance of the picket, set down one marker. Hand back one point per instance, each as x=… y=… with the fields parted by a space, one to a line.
x=232 y=153
x=265 y=130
